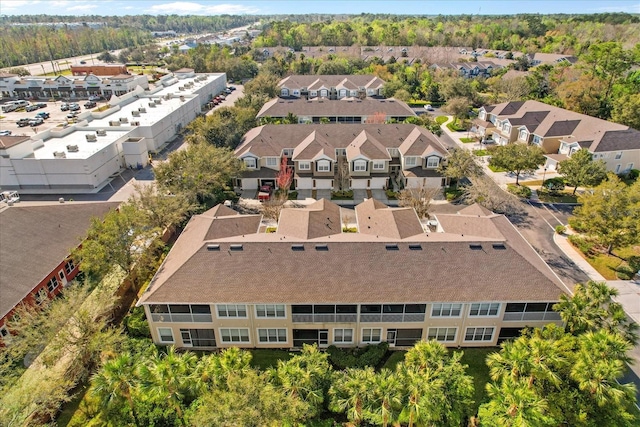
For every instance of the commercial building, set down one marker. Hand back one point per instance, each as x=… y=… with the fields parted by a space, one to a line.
x=84 y=157
x=474 y=281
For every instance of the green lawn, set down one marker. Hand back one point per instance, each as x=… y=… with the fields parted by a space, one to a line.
x=456 y=127
x=441 y=119
x=468 y=140
x=496 y=169
x=562 y=197
x=606 y=264
x=395 y=358
x=481 y=153
x=267 y=358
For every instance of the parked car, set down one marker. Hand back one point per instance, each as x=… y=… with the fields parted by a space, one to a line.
x=43 y=114
x=64 y=106
x=83 y=62
x=36 y=121
x=227 y=91
x=30 y=108
x=5 y=133
x=74 y=107
x=428 y=107
x=23 y=122
x=488 y=141
x=232 y=88
x=72 y=115
x=96 y=98
x=41 y=105
x=90 y=104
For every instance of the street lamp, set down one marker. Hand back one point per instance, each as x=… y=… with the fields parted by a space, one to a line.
x=544 y=174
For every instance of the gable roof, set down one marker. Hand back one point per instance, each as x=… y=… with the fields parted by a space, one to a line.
x=11 y=140
x=36 y=239
x=378 y=219
x=279 y=107
x=320 y=219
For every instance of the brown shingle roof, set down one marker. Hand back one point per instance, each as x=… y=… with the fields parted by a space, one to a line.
x=344 y=107
x=35 y=239
x=378 y=219
x=319 y=219
x=10 y=141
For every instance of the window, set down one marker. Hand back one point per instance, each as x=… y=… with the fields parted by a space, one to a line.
x=272 y=161
x=69 y=266
x=41 y=296
x=250 y=162
x=484 y=309
x=271 y=335
x=479 y=334
x=359 y=166
x=287 y=152
x=341 y=151
x=433 y=162
x=482 y=115
x=52 y=284
x=234 y=335
x=618 y=168
x=323 y=166
x=393 y=152
x=507 y=128
x=304 y=166
x=618 y=155
x=232 y=310
x=410 y=161
x=537 y=139
x=523 y=135
x=446 y=310
x=629 y=167
x=165 y=335
x=270 y=310
x=378 y=165
x=442 y=334
x=371 y=335
x=343 y=336
x=3 y=332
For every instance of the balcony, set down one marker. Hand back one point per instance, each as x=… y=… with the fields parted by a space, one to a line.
x=324 y=318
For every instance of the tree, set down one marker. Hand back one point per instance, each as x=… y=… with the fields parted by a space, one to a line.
x=377 y=118
x=384 y=398
x=118 y=239
x=160 y=211
x=106 y=56
x=458 y=107
x=460 y=164
x=484 y=191
x=284 y=176
x=513 y=404
x=114 y=383
x=591 y=308
x=610 y=212
x=349 y=393
x=517 y=158
x=580 y=169
x=200 y=172
x=418 y=198
x=626 y=110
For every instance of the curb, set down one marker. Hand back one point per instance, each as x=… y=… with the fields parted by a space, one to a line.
x=563 y=244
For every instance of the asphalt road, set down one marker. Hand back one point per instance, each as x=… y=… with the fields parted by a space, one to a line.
x=62 y=64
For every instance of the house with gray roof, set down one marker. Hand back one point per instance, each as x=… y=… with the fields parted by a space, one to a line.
x=348 y=156
x=560 y=133
x=330 y=86
x=311 y=283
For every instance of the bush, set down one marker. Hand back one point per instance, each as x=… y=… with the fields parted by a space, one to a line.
x=554 y=185
x=624 y=272
x=370 y=355
x=519 y=190
x=136 y=324
x=342 y=195
x=634 y=263
x=561 y=229
x=584 y=245
x=391 y=195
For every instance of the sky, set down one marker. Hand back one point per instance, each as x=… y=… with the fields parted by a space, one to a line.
x=269 y=7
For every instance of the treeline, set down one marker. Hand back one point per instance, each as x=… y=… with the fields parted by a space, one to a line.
x=567 y=34
x=30 y=44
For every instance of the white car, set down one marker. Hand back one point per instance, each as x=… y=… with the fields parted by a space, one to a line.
x=428 y=107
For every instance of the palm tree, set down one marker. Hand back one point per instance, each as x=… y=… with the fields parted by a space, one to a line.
x=350 y=392
x=386 y=395
x=170 y=379
x=514 y=404
x=114 y=384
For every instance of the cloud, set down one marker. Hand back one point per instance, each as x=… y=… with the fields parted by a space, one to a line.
x=624 y=7
x=10 y=7
x=81 y=8
x=192 y=8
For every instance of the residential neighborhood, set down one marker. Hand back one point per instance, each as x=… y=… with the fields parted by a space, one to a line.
x=278 y=215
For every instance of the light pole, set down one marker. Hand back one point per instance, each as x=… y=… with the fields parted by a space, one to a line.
x=544 y=174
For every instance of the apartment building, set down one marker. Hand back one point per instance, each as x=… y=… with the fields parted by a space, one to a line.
x=560 y=133
x=474 y=281
x=330 y=86
x=348 y=156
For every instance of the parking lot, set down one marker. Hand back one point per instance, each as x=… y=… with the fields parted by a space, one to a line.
x=8 y=121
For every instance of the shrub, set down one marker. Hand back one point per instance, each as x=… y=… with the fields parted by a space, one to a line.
x=391 y=195
x=584 y=245
x=554 y=185
x=370 y=355
x=561 y=229
x=136 y=324
x=634 y=263
x=624 y=272
x=342 y=195
x=519 y=190
x=271 y=229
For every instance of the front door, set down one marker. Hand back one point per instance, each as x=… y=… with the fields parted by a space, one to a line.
x=186 y=337
x=391 y=337
x=323 y=337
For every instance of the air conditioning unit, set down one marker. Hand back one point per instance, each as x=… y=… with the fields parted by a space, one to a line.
x=90 y=138
x=124 y=120
x=135 y=113
x=181 y=98
x=59 y=155
x=157 y=101
x=152 y=105
x=101 y=132
x=181 y=88
x=114 y=123
x=135 y=123
x=142 y=110
x=74 y=148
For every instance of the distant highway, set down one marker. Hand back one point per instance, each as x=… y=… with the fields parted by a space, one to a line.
x=62 y=64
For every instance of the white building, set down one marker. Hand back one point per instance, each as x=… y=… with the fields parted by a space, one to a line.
x=84 y=157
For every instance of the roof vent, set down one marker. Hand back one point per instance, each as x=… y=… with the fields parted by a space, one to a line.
x=235 y=247
x=135 y=113
x=90 y=137
x=297 y=247
x=213 y=247
x=100 y=132
x=152 y=105
x=124 y=120
x=142 y=110
x=74 y=148
x=136 y=123
x=59 y=155
x=415 y=247
x=475 y=247
x=322 y=247
x=499 y=246
x=392 y=247
x=114 y=123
